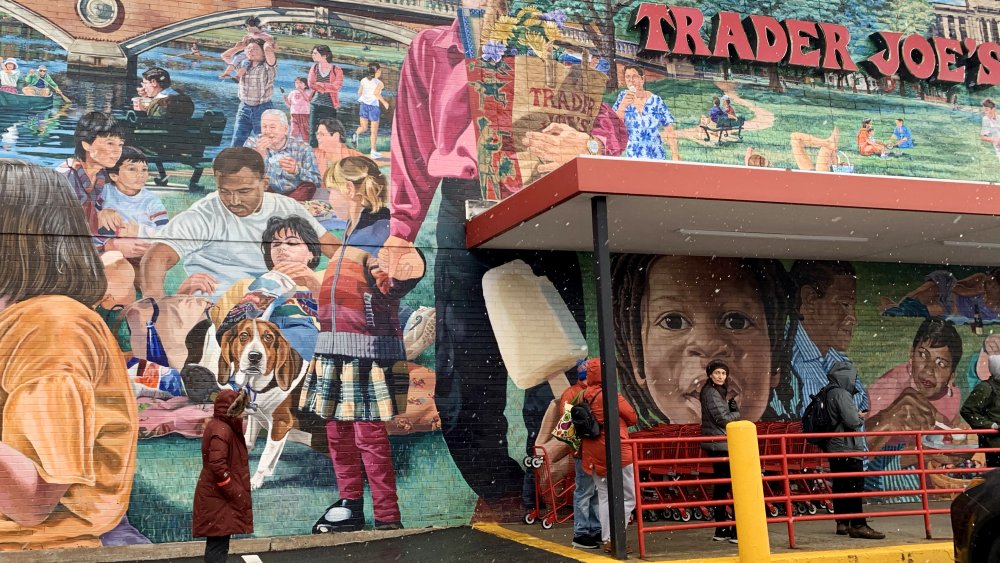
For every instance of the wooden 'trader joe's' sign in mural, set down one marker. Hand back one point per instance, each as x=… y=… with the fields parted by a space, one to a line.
x=763 y=39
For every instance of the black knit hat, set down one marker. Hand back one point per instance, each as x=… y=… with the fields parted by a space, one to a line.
x=714 y=365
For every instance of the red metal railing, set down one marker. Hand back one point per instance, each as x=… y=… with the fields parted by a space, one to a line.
x=669 y=462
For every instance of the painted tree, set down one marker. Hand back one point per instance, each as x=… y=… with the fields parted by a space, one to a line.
x=597 y=20
x=907 y=17
x=811 y=10
x=861 y=17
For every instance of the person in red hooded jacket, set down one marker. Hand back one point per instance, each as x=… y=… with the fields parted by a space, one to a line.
x=222 y=504
x=594 y=458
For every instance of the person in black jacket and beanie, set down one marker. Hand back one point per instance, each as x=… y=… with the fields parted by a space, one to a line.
x=718 y=410
x=844 y=412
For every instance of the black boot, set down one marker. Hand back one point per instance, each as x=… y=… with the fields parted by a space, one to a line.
x=345 y=515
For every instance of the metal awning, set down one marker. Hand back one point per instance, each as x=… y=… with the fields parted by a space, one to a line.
x=606 y=205
x=686 y=208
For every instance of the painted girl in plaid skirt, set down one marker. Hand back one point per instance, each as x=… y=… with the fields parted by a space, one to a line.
x=360 y=344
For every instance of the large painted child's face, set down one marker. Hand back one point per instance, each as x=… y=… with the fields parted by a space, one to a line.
x=697 y=310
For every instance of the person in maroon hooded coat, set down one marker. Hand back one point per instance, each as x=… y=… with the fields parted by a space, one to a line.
x=222 y=504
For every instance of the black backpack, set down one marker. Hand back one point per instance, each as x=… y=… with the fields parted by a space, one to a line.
x=816 y=418
x=584 y=421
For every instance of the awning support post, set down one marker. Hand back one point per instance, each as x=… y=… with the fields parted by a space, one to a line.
x=606 y=339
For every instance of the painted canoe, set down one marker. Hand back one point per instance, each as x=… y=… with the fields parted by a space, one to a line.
x=194 y=57
x=20 y=102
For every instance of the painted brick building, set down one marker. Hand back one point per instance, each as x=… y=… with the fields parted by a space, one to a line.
x=345 y=148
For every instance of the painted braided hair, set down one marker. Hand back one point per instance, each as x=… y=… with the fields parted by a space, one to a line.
x=629 y=284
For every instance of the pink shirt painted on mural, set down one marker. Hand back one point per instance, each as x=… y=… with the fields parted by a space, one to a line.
x=886 y=389
x=432 y=132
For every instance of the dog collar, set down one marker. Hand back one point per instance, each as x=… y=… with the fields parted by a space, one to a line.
x=252 y=405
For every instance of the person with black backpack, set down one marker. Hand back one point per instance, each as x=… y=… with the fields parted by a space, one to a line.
x=586 y=510
x=846 y=417
x=594 y=459
x=718 y=410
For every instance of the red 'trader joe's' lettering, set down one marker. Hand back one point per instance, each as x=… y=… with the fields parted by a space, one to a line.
x=730 y=35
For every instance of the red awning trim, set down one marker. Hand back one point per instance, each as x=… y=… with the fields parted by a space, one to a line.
x=589 y=176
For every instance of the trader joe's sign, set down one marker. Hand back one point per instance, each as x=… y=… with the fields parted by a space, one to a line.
x=763 y=39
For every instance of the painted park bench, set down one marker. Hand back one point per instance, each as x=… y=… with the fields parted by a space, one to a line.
x=180 y=140
x=733 y=131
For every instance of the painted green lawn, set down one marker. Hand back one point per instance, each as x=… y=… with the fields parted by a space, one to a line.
x=947 y=140
x=431 y=492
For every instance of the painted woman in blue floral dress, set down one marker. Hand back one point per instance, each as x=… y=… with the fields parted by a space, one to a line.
x=647 y=119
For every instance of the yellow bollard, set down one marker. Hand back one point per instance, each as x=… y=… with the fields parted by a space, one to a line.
x=748 y=492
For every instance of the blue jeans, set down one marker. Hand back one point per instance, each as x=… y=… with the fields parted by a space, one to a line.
x=586 y=510
x=248 y=122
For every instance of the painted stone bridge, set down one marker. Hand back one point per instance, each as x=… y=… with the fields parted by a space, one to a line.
x=110 y=34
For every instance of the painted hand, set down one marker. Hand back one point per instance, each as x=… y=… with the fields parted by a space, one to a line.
x=992 y=345
x=556 y=145
x=909 y=411
x=288 y=164
x=109 y=219
x=393 y=254
x=198 y=282
x=129 y=247
x=300 y=274
x=408 y=266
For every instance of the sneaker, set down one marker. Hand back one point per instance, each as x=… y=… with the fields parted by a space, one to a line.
x=345 y=515
x=734 y=540
x=865 y=532
x=354 y=138
x=722 y=534
x=842 y=528
x=374 y=155
x=385 y=526
x=585 y=542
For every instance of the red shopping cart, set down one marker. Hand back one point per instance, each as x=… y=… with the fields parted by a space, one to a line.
x=552 y=493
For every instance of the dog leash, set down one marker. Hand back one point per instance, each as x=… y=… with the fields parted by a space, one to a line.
x=252 y=405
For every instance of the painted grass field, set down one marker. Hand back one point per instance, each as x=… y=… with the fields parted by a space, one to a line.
x=947 y=139
x=302 y=487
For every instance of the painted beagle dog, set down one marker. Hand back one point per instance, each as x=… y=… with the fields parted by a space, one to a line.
x=257 y=357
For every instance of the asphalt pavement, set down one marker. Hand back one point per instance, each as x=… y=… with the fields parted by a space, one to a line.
x=438 y=546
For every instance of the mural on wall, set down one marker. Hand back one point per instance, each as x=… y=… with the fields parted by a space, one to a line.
x=280 y=207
